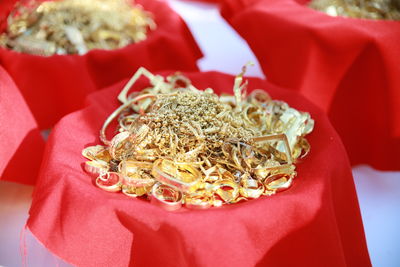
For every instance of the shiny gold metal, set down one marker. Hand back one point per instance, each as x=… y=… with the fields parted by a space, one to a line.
x=132 y=191
x=227 y=190
x=185 y=146
x=278 y=182
x=136 y=173
x=184 y=177
x=74 y=26
x=366 y=9
x=166 y=197
x=251 y=188
x=95 y=167
x=109 y=181
x=202 y=201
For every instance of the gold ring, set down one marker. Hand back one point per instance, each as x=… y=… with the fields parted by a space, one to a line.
x=227 y=190
x=92 y=152
x=117 y=144
x=95 y=168
x=278 y=182
x=198 y=202
x=166 y=197
x=131 y=176
x=251 y=188
x=259 y=95
x=131 y=191
x=186 y=182
x=109 y=181
x=200 y=199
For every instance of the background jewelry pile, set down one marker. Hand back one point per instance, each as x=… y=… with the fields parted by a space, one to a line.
x=180 y=145
x=367 y=9
x=75 y=26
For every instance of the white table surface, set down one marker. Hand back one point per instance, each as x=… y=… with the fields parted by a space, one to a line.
x=224 y=50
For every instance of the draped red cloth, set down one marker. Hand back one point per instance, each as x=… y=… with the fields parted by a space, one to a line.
x=315 y=223
x=21 y=143
x=54 y=86
x=348 y=67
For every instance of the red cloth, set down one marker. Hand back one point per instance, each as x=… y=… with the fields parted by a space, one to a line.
x=315 y=223
x=348 y=67
x=54 y=86
x=20 y=140
x=206 y=1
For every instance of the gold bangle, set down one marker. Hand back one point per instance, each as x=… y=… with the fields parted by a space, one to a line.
x=95 y=168
x=251 y=188
x=198 y=202
x=163 y=177
x=130 y=166
x=91 y=152
x=278 y=182
x=129 y=169
x=109 y=177
x=166 y=197
x=131 y=191
x=211 y=174
x=137 y=182
x=227 y=190
x=200 y=199
x=118 y=142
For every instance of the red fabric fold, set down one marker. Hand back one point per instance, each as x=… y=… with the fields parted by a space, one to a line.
x=315 y=223
x=348 y=67
x=21 y=143
x=54 y=86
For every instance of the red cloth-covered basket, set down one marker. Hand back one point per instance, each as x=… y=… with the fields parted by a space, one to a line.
x=348 y=67
x=21 y=143
x=315 y=223
x=54 y=86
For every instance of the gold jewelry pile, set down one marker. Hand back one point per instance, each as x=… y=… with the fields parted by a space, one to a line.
x=367 y=9
x=179 y=145
x=74 y=26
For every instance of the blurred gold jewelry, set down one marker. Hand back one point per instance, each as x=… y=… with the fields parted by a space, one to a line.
x=74 y=26
x=367 y=9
